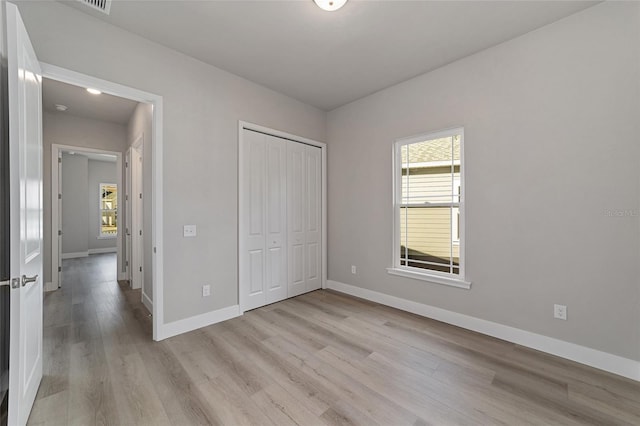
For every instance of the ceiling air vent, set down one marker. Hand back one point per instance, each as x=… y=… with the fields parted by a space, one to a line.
x=103 y=6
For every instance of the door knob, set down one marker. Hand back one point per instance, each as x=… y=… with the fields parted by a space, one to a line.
x=26 y=280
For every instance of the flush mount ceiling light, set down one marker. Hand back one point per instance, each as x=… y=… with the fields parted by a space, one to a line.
x=60 y=107
x=330 y=5
x=94 y=91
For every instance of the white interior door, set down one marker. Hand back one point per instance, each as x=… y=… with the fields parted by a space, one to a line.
x=59 y=224
x=276 y=219
x=304 y=195
x=137 y=245
x=280 y=219
x=296 y=178
x=263 y=252
x=313 y=218
x=25 y=147
x=127 y=216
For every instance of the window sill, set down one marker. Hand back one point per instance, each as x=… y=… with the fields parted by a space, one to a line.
x=453 y=282
x=107 y=237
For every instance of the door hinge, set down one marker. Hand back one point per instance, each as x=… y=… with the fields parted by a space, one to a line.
x=59 y=160
x=154 y=250
x=126 y=198
x=141 y=195
x=141 y=232
x=13 y=283
x=126 y=164
x=59 y=268
x=126 y=263
x=141 y=269
x=59 y=232
x=126 y=231
x=59 y=196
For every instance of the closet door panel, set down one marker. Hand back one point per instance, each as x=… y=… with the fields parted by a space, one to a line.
x=296 y=216
x=252 y=258
x=276 y=220
x=313 y=215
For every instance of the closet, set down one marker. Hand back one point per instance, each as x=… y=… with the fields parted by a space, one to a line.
x=280 y=219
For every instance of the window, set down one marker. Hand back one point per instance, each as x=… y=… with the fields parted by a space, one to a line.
x=429 y=208
x=108 y=210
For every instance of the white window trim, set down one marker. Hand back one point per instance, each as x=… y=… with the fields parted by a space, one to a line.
x=101 y=235
x=454 y=280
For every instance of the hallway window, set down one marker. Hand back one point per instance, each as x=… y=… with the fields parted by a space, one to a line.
x=108 y=210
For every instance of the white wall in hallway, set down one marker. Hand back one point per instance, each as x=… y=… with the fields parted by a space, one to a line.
x=81 y=179
x=75 y=190
x=66 y=129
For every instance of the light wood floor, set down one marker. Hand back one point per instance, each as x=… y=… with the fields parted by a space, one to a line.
x=319 y=359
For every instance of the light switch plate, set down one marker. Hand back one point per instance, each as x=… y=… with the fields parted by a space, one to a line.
x=189 y=230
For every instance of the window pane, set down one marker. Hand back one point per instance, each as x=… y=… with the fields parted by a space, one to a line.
x=426 y=238
x=428 y=170
x=109 y=209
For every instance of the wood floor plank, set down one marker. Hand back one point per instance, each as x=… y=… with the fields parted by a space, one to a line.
x=322 y=358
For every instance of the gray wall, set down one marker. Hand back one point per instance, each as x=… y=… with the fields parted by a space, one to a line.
x=99 y=172
x=81 y=179
x=202 y=106
x=75 y=193
x=552 y=145
x=65 y=129
x=141 y=123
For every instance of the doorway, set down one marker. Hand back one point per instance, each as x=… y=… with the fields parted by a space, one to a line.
x=151 y=151
x=85 y=209
x=135 y=216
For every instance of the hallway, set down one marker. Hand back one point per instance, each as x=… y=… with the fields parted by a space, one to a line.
x=91 y=327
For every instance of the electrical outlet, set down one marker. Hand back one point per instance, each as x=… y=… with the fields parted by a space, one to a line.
x=189 y=231
x=206 y=290
x=560 y=312
x=354 y=270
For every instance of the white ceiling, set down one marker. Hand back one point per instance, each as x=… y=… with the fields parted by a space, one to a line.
x=328 y=59
x=81 y=103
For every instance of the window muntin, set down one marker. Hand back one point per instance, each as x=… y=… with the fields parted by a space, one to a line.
x=108 y=210
x=428 y=206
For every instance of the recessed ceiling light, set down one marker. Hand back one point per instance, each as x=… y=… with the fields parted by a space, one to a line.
x=330 y=5
x=60 y=107
x=94 y=91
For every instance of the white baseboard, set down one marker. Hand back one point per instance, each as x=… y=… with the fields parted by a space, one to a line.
x=594 y=358
x=147 y=302
x=189 y=324
x=103 y=250
x=50 y=286
x=75 y=255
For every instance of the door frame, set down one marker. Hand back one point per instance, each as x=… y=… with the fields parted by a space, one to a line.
x=157 y=273
x=56 y=152
x=136 y=219
x=245 y=125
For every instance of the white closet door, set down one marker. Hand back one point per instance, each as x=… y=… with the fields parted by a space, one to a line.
x=304 y=192
x=276 y=219
x=296 y=153
x=263 y=256
x=313 y=215
x=252 y=257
